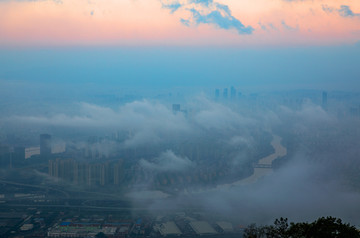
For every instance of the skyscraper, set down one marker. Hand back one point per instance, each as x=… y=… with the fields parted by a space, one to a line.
x=18 y=156
x=45 y=146
x=324 y=104
x=232 y=93
x=225 y=93
x=176 y=108
x=217 y=93
x=5 y=155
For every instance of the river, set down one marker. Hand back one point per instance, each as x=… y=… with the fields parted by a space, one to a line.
x=259 y=172
x=280 y=151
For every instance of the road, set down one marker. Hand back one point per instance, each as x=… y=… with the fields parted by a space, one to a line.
x=36 y=186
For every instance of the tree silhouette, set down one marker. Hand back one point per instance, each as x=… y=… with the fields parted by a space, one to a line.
x=329 y=227
x=100 y=235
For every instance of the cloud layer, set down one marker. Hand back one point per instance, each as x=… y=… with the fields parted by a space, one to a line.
x=207 y=12
x=168 y=161
x=344 y=11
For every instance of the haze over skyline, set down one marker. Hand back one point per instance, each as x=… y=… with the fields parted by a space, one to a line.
x=144 y=118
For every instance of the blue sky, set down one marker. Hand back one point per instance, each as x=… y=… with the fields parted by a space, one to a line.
x=330 y=68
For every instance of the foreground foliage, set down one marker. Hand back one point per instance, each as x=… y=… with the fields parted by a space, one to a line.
x=328 y=227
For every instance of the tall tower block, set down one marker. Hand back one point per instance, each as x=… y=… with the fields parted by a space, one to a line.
x=324 y=103
x=45 y=146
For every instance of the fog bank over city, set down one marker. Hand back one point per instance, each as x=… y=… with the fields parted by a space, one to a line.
x=215 y=138
x=179 y=118
x=174 y=149
x=207 y=153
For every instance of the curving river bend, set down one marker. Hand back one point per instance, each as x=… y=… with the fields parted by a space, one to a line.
x=259 y=172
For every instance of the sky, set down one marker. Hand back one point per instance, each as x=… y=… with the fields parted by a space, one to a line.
x=178 y=22
x=251 y=44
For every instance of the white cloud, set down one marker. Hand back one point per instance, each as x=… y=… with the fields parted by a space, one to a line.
x=167 y=161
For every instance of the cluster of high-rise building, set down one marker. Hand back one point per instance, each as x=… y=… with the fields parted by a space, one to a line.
x=12 y=156
x=324 y=101
x=45 y=146
x=225 y=93
x=354 y=111
x=176 y=108
x=84 y=173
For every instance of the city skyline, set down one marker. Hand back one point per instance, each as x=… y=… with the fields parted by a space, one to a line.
x=149 y=118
